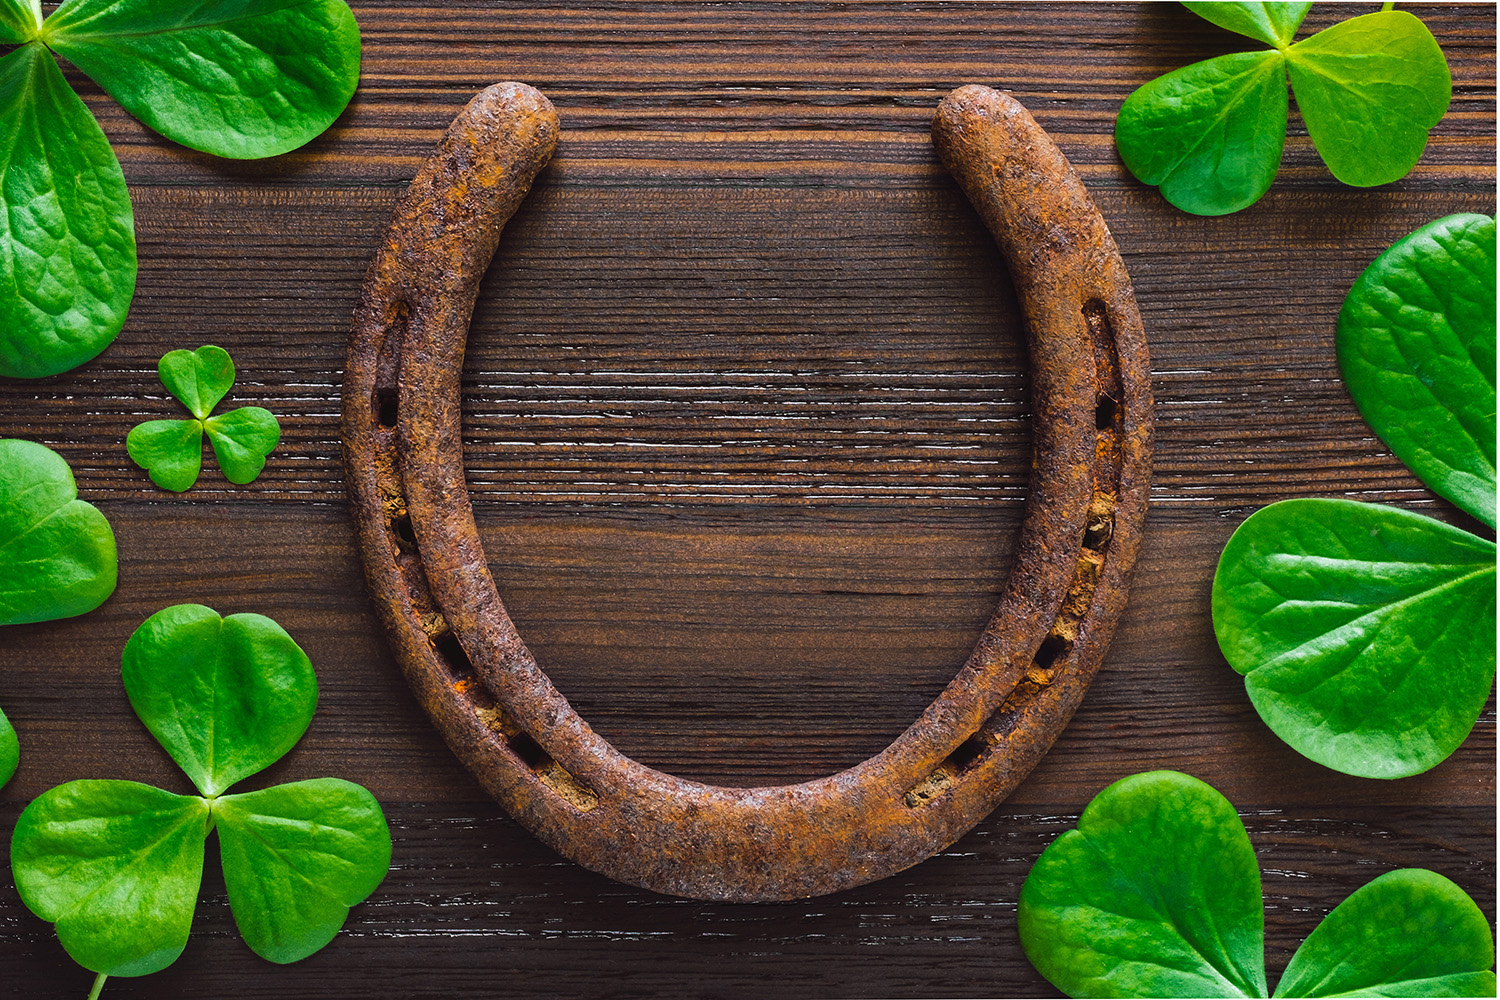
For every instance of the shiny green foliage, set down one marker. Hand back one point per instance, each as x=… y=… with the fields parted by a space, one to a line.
x=57 y=553
x=1366 y=634
x=172 y=450
x=237 y=78
x=1416 y=345
x=117 y=865
x=1210 y=135
x=10 y=750
x=67 y=235
x=1157 y=894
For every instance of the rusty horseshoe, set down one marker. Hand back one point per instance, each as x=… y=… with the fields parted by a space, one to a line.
x=499 y=712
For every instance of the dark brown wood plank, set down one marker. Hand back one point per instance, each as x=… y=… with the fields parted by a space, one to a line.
x=750 y=647
x=748 y=436
x=488 y=910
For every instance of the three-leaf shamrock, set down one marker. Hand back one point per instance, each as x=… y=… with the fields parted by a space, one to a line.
x=57 y=552
x=235 y=78
x=116 y=865
x=172 y=450
x=1210 y=135
x=1157 y=894
x=1366 y=633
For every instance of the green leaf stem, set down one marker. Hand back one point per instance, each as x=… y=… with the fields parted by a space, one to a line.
x=236 y=78
x=57 y=553
x=226 y=697
x=1365 y=633
x=1416 y=345
x=67 y=235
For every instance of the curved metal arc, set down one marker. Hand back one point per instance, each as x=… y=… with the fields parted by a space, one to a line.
x=510 y=725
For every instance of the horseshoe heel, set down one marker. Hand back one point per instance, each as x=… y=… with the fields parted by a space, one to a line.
x=498 y=710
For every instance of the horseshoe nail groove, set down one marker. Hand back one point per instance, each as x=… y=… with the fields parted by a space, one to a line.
x=499 y=712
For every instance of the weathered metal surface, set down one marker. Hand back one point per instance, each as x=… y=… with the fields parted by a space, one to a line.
x=498 y=710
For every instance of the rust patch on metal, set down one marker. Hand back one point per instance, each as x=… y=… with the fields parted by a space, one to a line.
x=502 y=716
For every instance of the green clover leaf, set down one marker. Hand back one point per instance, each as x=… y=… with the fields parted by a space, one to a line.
x=1416 y=345
x=1366 y=633
x=236 y=78
x=117 y=865
x=19 y=21
x=10 y=750
x=1369 y=89
x=226 y=697
x=1157 y=894
x=57 y=553
x=1210 y=135
x=1273 y=23
x=296 y=857
x=171 y=451
x=1409 y=933
x=67 y=235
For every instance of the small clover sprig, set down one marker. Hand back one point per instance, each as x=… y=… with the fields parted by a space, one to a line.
x=116 y=865
x=235 y=78
x=1157 y=894
x=1210 y=135
x=172 y=450
x=1366 y=633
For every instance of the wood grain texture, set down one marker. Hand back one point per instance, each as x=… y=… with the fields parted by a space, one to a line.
x=748 y=437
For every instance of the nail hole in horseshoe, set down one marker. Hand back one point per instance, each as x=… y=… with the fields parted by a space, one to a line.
x=450 y=650
x=529 y=750
x=1053 y=648
x=406 y=538
x=384 y=404
x=1104 y=413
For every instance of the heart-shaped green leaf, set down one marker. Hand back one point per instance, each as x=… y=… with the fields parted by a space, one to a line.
x=1409 y=933
x=198 y=378
x=19 y=20
x=1156 y=894
x=1369 y=89
x=242 y=439
x=10 y=750
x=296 y=857
x=1416 y=345
x=237 y=78
x=170 y=450
x=122 y=897
x=57 y=553
x=1273 y=23
x=227 y=697
x=1366 y=634
x=1209 y=135
x=67 y=234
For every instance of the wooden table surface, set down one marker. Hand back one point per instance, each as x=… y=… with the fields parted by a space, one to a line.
x=748 y=439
